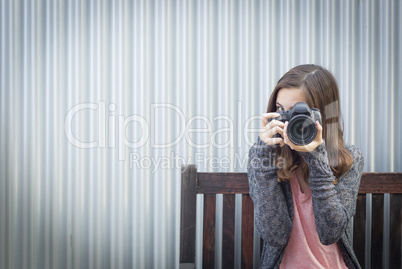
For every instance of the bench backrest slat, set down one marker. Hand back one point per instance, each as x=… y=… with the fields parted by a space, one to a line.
x=228 y=230
x=395 y=240
x=247 y=229
x=227 y=183
x=224 y=183
x=188 y=213
x=377 y=230
x=381 y=183
x=359 y=229
x=209 y=231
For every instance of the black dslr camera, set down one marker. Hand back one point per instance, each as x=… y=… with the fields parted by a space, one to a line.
x=301 y=128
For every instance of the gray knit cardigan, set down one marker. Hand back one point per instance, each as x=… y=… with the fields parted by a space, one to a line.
x=333 y=204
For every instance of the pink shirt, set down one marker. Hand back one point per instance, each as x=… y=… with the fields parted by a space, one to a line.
x=304 y=249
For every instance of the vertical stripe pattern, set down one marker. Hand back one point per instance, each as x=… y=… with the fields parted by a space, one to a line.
x=99 y=102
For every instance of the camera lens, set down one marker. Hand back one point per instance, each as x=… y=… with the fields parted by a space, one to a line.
x=301 y=130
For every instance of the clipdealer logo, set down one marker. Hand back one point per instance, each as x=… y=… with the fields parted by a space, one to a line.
x=106 y=120
x=112 y=128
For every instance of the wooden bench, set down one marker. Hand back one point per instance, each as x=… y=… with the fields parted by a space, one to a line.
x=369 y=233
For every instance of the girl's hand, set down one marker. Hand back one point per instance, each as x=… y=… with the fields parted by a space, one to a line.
x=270 y=129
x=306 y=148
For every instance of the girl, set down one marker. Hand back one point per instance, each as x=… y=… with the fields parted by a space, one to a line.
x=305 y=195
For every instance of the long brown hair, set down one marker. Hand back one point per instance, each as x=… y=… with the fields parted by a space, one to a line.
x=321 y=91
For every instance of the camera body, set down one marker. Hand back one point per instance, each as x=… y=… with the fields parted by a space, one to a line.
x=301 y=128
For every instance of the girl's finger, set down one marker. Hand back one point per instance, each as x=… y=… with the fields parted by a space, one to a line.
x=319 y=127
x=267 y=116
x=278 y=123
x=285 y=131
x=274 y=123
x=270 y=114
x=275 y=130
x=319 y=131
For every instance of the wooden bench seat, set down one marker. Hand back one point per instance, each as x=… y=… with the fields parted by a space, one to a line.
x=369 y=233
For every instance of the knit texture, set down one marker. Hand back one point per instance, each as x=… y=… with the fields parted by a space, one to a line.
x=333 y=204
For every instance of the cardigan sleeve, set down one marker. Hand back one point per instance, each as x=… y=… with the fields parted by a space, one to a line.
x=333 y=204
x=271 y=212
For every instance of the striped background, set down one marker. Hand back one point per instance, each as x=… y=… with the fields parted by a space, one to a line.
x=83 y=81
